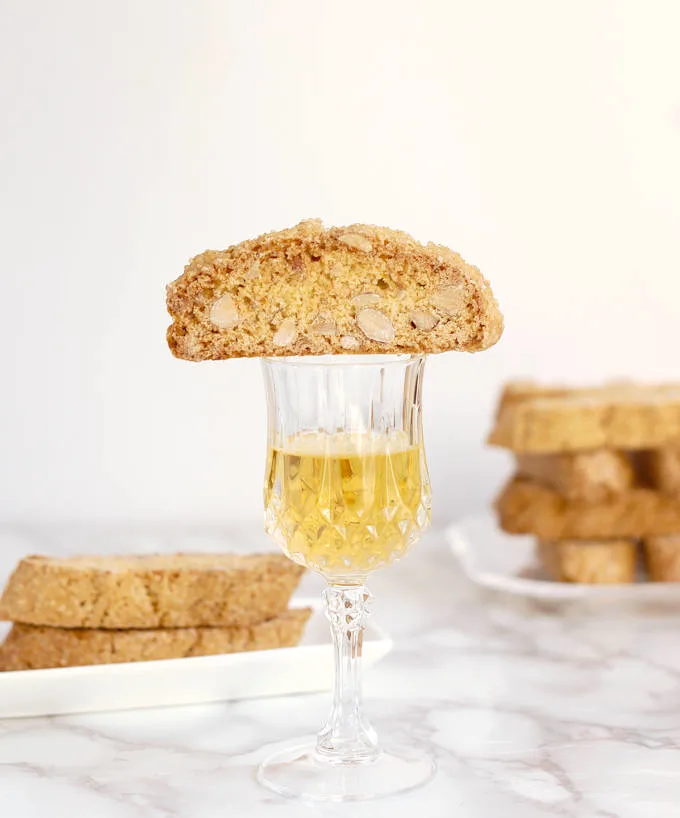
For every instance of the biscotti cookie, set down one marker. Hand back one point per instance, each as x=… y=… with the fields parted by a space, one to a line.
x=314 y=291
x=527 y=507
x=589 y=477
x=616 y=416
x=662 y=555
x=28 y=647
x=662 y=468
x=597 y=562
x=150 y=591
x=521 y=390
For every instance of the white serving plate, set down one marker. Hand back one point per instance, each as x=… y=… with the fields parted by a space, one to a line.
x=506 y=562
x=302 y=669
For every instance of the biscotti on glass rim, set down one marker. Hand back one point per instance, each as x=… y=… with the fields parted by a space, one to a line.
x=311 y=290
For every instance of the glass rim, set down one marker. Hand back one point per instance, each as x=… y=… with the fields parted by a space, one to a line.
x=376 y=359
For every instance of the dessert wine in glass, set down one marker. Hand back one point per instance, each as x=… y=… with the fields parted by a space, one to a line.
x=346 y=493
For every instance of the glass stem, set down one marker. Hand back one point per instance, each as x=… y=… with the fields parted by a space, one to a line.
x=347 y=737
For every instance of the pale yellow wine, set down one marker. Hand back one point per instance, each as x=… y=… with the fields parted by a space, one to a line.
x=344 y=504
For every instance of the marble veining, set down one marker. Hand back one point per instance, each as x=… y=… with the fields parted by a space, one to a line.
x=532 y=710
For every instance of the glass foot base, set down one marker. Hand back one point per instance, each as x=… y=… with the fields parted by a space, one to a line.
x=299 y=773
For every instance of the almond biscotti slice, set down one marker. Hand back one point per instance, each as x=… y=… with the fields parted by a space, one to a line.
x=589 y=477
x=527 y=507
x=312 y=290
x=537 y=420
x=595 y=562
x=662 y=555
x=29 y=647
x=149 y=591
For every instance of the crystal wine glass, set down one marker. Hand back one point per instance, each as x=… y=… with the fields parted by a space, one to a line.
x=346 y=493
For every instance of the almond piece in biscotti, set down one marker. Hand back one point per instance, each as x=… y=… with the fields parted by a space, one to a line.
x=421 y=319
x=350 y=342
x=253 y=271
x=324 y=325
x=365 y=300
x=357 y=241
x=449 y=299
x=375 y=325
x=286 y=334
x=223 y=313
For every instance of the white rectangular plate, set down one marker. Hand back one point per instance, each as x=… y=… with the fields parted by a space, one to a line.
x=506 y=562
x=302 y=669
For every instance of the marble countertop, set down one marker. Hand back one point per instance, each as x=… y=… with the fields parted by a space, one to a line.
x=531 y=711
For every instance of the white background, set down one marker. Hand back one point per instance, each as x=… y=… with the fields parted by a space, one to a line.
x=539 y=138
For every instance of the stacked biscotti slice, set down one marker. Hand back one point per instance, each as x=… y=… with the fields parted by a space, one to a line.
x=105 y=609
x=598 y=471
